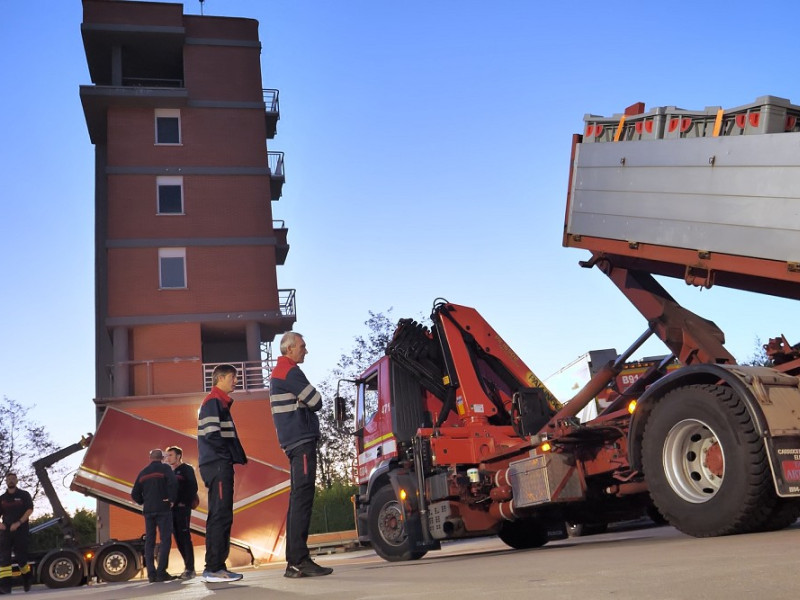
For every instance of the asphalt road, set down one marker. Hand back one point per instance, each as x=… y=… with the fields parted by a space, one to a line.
x=652 y=562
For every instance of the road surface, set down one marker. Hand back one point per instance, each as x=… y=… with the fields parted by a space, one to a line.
x=652 y=562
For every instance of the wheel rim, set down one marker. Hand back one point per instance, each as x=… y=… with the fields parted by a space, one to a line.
x=694 y=461
x=115 y=563
x=391 y=525
x=61 y=569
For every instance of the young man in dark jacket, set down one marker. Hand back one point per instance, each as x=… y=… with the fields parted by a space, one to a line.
x=156 y=489
x=218 y=449
x=294 y=401
x=182 y=510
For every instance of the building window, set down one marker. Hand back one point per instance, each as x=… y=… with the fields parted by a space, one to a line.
x=168 y=126
x=170 y=195
x=172 y=268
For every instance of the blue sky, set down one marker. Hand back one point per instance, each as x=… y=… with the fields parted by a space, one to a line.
x=427 y=147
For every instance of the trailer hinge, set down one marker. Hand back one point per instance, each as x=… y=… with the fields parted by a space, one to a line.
x=698 y=276
x=793 y=267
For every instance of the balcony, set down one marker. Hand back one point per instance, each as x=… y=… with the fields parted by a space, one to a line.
x=272 y=111
x=286 y=302
x=276 y=175
x=253 y=375
x=281 y=242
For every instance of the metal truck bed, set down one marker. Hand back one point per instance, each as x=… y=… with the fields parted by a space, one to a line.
x=721 y=209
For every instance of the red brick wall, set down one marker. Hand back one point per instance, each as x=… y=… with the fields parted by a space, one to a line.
x=164 y=342
x=133 y=13
x=210 y=205
x=223 y=73
x=213 y=274
x=218 y=137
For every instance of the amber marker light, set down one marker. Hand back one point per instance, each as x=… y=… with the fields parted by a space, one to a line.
x=403 y=495
x=545 y=447
x=88 y=555
x=631 y=406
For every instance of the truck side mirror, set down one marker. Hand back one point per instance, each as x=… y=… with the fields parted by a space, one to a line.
x=339 y=409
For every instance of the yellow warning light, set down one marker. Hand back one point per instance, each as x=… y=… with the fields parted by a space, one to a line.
x=403 y=495
x=631 y=406
x=545 y=447
x=88 y=555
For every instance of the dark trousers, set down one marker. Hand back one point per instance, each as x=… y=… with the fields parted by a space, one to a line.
x=183 y=536
x=161 y=521
x=218 y=477
x=303 y=477
x=18 y=542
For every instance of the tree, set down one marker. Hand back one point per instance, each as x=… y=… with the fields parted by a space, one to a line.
x=336 y=451
x=759 y=357
x=85 y=524
x=22 y=441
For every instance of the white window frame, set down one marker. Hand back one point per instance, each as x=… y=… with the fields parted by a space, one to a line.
x=167 y=113
x=171 y=253
x=163 y=180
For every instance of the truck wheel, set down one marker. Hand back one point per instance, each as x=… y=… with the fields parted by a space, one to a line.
x=116 y=563
x=61 y=569
x=523 y=534
x=387 y=531
x=785 y=512
x=705 y=464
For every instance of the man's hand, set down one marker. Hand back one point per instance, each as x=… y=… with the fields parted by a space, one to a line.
x=3 y=527
x=14 y=526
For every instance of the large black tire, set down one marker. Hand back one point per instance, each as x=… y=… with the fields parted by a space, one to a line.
x=523 y=534
x=115 y=563
x=61 y=569
x=705 y=463
x=785 y=512
x=387 y=531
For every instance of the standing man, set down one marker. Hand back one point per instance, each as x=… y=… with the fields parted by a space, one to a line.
x=294 y=401
x=182 y=510
x=157 y=489
x=16 y=507
x=218 y=449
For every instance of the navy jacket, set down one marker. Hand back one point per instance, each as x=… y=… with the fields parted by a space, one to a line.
x=293 y=402
x=216 y=433
x=155 y=487
x=187 y=484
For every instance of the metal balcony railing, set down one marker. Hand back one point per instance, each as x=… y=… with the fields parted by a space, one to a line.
x=275 y=162
x=271 y=101
x=151 y=82
x=253 y=374
x=286 y=301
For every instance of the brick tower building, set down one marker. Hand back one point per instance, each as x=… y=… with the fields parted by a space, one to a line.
x=186 y=246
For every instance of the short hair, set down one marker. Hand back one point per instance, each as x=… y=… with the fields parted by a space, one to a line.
x=156 y=454
x=176 y=449
x=221 y=371
x=12 y=473
x=289 y=338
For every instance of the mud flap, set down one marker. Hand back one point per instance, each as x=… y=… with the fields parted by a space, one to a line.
x=418 y=535
x=784 y=460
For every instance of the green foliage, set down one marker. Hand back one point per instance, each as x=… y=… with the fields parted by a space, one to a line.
x=83 y=521
x=336 y=449
x=333 y=508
